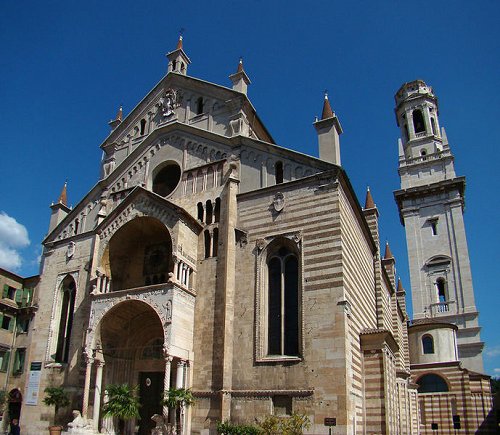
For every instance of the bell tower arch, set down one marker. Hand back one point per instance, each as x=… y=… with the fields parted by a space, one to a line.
x=431 y=205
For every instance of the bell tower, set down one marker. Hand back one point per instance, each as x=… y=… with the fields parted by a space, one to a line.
x=431 y=206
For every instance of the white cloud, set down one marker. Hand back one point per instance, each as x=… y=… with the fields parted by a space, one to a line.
x=496 y=371
x=492 y=351
x=13 y=236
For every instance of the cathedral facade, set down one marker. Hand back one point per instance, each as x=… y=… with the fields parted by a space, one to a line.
x=208 y=257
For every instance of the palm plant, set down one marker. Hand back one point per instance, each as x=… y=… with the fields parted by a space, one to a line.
x=178 y=399
x=56 y=397
x=122 y=403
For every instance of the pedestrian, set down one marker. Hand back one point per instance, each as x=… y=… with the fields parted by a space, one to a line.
x=14 y=427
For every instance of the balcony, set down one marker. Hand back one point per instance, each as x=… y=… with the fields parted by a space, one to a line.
x=442 y=308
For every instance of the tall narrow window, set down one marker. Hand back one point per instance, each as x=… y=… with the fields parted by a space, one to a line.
x=433 y=125
x=143 y=126
x=66 y=319
x=418 y=121
x=189 y=184
x=283 y=294
x=434 y=227
x=200 y=211
x=428 y=344
x=199 y=106
x=209 y=212
x=219 y=175
x=210 y=178
x=278 y=172
x=207 y=243
x=215 y=242
x=217 y=210
x=199 y=181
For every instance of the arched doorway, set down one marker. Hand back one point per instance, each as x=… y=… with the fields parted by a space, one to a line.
x=132 y=339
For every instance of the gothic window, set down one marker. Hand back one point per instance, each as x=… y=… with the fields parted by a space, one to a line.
x=278 y=172
x=209 y=212
x=199 y=106
x=200 y=211
x=68 y=290
x=433 y=125
x=428 y=344
x=282 y=309
x=166 y=179
x=217 y=210
x=215 y=242
x=207 y=243
x=432 y=383
x=143 y=126
x=418 y=121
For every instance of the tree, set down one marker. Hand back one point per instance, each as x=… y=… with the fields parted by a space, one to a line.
x=56 y=397
x=122 y=403
x=178 y=399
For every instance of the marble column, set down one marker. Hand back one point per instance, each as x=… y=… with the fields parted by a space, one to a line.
x=166 y=383
x=86 y=388
x=97 y=393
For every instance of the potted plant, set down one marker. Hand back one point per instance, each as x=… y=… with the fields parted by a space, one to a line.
x=178 y=399
x=122 y=403
x=58 y=398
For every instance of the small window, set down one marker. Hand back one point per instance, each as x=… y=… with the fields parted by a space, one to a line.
x=428 y=344
x=217 y=210
x=6 y=322
x=200 y=211
x=199 y=106
x=282 y=405
x=423 y=152
x=143 y=126
x=4 y=360
x=19 y=360
x=278 y=171
x=174 y=65
x=434 y=228
x=207 y=243
x=166 y=180
x=433 y=125
x=9 y=292
x=441 y=289
x=215 y=242
x=23 y=324
x=209 y=213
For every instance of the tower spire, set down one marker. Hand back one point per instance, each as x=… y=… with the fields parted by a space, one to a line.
x=118 y=118
x=63 y=197
x=327 y=108
x=388 y=254
x=369 y=203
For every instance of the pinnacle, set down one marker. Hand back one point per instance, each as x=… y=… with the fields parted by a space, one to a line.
x=63 y=197
x=119 y=114
x=369 y=203
x=240 y=66
x=179 y=43
x=388 y=254
x=327 y=109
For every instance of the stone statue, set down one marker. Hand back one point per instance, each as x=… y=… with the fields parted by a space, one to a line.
x=80 y=425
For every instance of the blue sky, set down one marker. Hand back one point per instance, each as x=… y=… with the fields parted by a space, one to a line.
x=67 y=66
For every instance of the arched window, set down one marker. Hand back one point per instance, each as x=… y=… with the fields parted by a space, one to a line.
x=432 y=383
x=278 y=172
x=283 y=303
x=215 y=242
x=189 y=184
x=199 y=106
x=174 y=65
x=207 y=243
x=418 y=121
x=219 y=175
x=428 y=344
x=209 y=212
x=143 y=126
x=441 y=289
x=68 y=289
x=217 y=210
x=200 y=211
x=433 y=125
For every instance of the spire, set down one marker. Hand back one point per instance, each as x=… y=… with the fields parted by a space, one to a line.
x=118 y=118
x=388 y=254
x=369 y=203
x=179 y=43
x=327 y=109
x=63 y=197
x=400 y=285
x=240 y=79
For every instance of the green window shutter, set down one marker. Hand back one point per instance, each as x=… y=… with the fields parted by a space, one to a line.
x=25 y=298
x=19 y=295
x=15 y=367
x=1 y=318
x=11 y=324
x=5 y=362
x=5 y=291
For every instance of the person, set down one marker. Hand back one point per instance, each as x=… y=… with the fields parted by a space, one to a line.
x=14 y=427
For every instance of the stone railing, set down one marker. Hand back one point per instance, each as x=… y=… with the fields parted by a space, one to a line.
x=442 y=308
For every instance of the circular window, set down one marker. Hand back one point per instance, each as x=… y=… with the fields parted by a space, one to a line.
x=166 y=180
